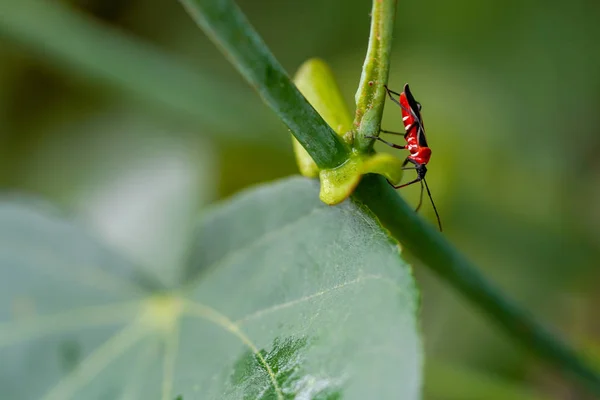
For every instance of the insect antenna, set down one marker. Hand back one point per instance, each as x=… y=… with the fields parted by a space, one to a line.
x=433 y=204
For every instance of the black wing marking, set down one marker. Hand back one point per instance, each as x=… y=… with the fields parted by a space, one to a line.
x=416 y=111
x=421 y=137
x=414 y=104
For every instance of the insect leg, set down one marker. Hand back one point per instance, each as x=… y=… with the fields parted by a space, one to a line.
x=392 y=133
x=406 y=184
x=396 y=146
x=397 y=101
x=390 y=91
x=408 y=160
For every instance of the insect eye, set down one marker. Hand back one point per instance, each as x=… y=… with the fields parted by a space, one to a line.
x=419 y=106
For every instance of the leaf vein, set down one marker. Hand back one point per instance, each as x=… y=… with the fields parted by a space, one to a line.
x=171 y=346
x=203 y=311
x=291 y=303
x=99 y=359
x=85 y=317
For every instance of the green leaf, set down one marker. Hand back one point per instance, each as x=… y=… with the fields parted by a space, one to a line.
x=283 y=297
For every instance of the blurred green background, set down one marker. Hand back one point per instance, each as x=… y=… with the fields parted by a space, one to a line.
x=124 y=113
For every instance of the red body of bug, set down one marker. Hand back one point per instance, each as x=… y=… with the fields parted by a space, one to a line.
x=420 y=153
x=416 y=143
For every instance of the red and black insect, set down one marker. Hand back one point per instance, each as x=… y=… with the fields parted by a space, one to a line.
x=416 y=143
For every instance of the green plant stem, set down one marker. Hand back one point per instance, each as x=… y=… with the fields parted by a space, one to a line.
x=370 y=96
x=227 y=26
x=432 y=248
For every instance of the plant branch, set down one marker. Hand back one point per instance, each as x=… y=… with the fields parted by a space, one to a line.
x=227 y=26
x=370 y=97
x=432 y=248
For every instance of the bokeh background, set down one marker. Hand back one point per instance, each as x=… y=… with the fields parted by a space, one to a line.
x=124 y=114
